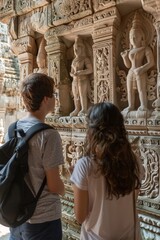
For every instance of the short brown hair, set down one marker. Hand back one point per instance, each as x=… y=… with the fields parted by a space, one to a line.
x=34 y=88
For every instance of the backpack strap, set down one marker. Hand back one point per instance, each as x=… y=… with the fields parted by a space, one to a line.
x=35 y=129
x=29 y=134
x=41 y=189
x=12 y=130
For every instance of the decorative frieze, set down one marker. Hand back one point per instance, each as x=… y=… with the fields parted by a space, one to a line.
x=102 y=4
x=6 y=10
x=67 y=122
x=149 y=227
x=111 y=14
x=23 y=6
x=65 y=11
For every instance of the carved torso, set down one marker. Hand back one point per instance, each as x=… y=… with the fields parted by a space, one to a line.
x=136 y=56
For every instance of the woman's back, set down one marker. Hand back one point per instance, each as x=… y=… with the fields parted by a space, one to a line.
x=108 y=219
x=106 y=179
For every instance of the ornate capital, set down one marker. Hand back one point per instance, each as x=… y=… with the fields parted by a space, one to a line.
x=6 y=10
x=152 y=6
x=22 y=45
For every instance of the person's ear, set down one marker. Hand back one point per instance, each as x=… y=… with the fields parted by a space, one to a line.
x=45 y=99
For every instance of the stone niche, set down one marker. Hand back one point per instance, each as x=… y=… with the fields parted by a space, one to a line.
x=116 y=45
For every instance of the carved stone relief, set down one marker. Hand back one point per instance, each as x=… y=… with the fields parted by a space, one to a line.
x=47 y=36
x=101 y=4
x=64 y=11
x=140 y=59
x=81 y=69
x=9 y=82
x=102 y=74
x=41 y=58
x=6 y=7
x=150 y=159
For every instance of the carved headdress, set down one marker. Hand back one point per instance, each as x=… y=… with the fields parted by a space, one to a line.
x=136 y=23
x=80 y=43
x=79 y=40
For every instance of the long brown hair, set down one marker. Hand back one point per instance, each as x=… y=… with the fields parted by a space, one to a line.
x=108 y=146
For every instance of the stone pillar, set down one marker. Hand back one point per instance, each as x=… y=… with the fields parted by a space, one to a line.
x=105 y=29
x=26 y=64
x=25 y=48
x=149 y=198
x=156 y=103
x=57 y=69
x=153 y=7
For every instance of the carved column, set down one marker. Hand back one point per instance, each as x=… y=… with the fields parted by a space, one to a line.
x=57 y=69
x=24 y=48
x=156 y=103
x=105 y=29
x=153 y=7
x=149 y=199
x=26 y=64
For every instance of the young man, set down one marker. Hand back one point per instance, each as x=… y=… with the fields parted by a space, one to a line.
x=45 y=156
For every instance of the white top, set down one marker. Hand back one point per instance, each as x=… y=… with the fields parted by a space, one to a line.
x=107 y=219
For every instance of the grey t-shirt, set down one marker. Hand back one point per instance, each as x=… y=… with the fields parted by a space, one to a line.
x=45 y=152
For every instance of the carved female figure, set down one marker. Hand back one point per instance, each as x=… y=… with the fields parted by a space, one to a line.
x=80 y=69
x=139 y=59
x=41 y=58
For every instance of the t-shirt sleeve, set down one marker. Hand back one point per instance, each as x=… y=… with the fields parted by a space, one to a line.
x=53 y=155
x=79 y=176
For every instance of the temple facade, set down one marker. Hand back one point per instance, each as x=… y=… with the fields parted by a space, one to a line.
x=114 y=48
x=9 y=80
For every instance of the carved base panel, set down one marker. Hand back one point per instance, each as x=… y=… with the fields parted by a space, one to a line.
x=150 y=227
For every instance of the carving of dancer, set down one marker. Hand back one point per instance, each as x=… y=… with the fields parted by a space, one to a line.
x=139 y=59
x=80 y=69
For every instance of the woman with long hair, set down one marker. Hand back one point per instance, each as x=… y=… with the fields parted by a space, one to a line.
x=106 y=181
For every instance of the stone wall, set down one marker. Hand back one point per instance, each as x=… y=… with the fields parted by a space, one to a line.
x=119 y=48
x=9 y=81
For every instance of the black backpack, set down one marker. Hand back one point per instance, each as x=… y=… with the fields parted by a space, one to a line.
x=17 y=201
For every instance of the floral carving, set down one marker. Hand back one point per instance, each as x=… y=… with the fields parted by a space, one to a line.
x=122 y=89
x=100 y=4
x=102 y=73
x=65 y=10
x=6 y=6
x=71 y=7
x=151 y=164
x=151 y=85
x=76 y=151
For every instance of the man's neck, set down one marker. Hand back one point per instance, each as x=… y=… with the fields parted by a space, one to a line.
x=37 y=115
